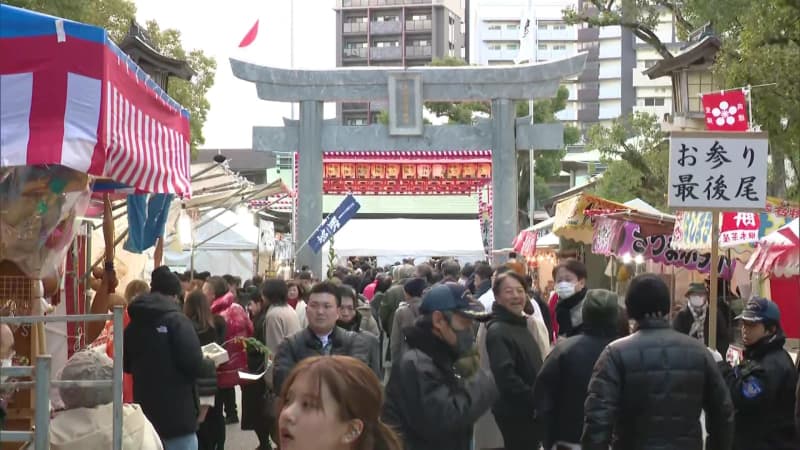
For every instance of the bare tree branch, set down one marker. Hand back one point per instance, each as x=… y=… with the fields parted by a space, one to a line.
x=676 y=12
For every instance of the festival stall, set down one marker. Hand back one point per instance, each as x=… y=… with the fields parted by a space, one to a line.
x=75 y=111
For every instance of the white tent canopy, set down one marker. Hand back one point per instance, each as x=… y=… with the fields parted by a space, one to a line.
x=220 y=249
x=392 y=240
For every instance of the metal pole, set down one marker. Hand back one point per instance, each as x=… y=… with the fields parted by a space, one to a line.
x=117 y=380
x=41 y=434
x=712 y=300
x=534 y=29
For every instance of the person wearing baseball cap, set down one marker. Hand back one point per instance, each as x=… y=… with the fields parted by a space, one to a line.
x=762 y=386
x=427 y=402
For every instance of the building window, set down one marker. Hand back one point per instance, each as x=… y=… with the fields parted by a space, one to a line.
x=542 y=26
x=653 y=101
x=351 y=45
x=421 y=43
x=512 y=46
x=512 y=26
x=355 y=121
x=420 y=17
x=559 y=26
x=560 y=47
x=382 y=44
x=495 y=27
x=387 y=19
x=699 y=83
x=495 y=46
x=542 y=46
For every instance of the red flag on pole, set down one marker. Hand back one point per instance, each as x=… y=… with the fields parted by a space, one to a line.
x=250 y=36
x=725 y=111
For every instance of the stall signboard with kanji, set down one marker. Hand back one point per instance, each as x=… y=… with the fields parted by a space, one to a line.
x=718 y=171
x=333 y=222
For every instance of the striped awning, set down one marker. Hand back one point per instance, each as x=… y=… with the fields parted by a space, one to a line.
x=70 y=97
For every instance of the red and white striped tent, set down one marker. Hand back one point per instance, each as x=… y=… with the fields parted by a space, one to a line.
x=69 y=96
x=778 y=253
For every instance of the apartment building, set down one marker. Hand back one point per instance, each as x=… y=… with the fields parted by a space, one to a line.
x=612 y=83
x=400 y=33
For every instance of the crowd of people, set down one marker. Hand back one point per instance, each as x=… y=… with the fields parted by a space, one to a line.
x=434 y=356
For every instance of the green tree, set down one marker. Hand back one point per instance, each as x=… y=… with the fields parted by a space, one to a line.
x=115 y=16
x=760 y=45
x=636 y=152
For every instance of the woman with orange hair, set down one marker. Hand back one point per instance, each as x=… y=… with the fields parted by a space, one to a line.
x=333 y=403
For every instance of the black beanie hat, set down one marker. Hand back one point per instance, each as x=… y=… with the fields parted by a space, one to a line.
x=163 y=281
x=647 y=296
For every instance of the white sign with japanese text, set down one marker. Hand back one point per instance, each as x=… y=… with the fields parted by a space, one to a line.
x=717 y=171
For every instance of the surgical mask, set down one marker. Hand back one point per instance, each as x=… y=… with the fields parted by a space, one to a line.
x=465 y=341
x=697 y=301
x=565 y=289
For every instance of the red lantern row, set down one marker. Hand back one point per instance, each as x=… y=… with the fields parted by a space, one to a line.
x=407 y=171
x=402 y=187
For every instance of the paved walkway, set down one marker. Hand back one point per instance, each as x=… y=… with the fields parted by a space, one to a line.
x=235 y=437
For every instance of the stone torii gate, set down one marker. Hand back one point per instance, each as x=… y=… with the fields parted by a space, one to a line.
x=406 y=89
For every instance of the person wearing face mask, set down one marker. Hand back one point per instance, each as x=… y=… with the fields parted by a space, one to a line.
x=515 y=360
x=566 y=305
x=427 y=403
x=693 y=318
x=763 y=385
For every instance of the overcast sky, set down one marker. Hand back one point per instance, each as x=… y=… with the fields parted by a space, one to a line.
x=217 y=28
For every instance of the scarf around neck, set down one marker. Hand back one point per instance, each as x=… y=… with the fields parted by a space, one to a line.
x=697 y=330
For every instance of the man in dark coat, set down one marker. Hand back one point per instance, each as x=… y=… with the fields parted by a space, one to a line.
x=427 y=403
x=692 y=320
x=162 y=351
x=323 y=337
x=561 y=386
x=648 y=389
x=515 y=360
x=762 y=386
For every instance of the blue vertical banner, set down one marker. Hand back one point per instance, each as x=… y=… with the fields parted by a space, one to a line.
x=333 y=223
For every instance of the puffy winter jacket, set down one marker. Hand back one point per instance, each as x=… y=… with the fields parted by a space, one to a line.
x=237 y=325
x=762 y=389
x=561 y=385
x=426 y=403
x=163 y=353
x=648 y=390
x=304 y=344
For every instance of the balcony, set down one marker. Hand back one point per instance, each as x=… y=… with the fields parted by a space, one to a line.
x=357 y=107
x=354 y=53
x=419 y=52
x=353 y=28
x=609 y=70
x=502 y=34
x=418 y=25
x=568 y=34
x=384 y=53
x=392 y=27
x=588 y=94
x=588 y=34
x=589 y=113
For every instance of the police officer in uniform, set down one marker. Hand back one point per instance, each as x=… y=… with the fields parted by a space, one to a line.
x=762 y=385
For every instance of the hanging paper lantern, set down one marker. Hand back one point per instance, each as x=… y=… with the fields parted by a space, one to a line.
x=423 y=171
x=453 y=171
x=485 y=170
x=362 y=171
x=332 y=170
x=393 y=171
x=468 y=170
x=377 y=170
x=409 y=171
x=438 y=171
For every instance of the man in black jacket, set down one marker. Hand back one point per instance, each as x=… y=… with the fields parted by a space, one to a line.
x=162 y=351
x=762 y=385
x=515 y=360
x=427 y=403
x=323 y=337
x=648 y=389
x=562 y=383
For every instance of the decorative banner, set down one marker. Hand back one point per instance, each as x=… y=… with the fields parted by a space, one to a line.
x=606 y=234
x=718 y=171
x=525 y=243
x=739 y=228
x=333 y=223
x=657 y=249
x=693 y=229
x=725 y=111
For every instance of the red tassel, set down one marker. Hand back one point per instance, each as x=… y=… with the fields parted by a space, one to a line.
x=250 y=36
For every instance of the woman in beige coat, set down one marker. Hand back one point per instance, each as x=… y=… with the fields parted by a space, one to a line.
x=281 y=320
x=486 y=433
